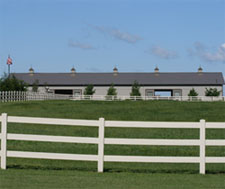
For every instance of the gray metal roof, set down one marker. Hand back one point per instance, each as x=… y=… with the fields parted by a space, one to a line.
x=63 y=79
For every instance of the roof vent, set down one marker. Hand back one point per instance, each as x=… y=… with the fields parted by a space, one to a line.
x=115 y=71
x=200 y=69
x=156 y=69
x=31 y=71
x=73 y=71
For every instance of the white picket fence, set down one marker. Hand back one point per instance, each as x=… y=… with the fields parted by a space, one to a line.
x=202 y=159
x=8 y=96
x=12 y=96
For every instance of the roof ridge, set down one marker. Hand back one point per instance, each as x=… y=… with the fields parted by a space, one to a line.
x=119 y=73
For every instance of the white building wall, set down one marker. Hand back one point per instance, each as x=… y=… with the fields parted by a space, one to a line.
x=185 y=89
x=125 y=90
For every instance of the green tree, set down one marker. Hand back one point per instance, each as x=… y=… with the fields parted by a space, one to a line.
x=89 y=90
x=212 y=92
x=11 y=83
x=192 y=92
x=35 y=86
x=135 y=89
x=112 y=90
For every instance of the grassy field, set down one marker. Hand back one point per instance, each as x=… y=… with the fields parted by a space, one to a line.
x=77 y=174
x=22 y=179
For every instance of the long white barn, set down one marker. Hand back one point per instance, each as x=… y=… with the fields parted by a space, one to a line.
x=175 y=83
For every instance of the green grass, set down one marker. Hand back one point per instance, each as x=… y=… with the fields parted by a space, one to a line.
x=26 y=179
x=117 y=175
x=123 y=110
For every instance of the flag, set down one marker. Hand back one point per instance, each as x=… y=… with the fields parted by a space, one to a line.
x=9 y=60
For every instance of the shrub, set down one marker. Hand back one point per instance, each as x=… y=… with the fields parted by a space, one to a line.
x=35 y=86
x=111 y=93
x=212 y=92
x=112 y=90
x=89 y=90
x=11 y=83
x=135 y=89
x=192 y=92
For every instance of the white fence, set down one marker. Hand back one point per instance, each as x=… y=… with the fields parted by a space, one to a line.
x=11 y=96
x=101 y=140
x=135 y=98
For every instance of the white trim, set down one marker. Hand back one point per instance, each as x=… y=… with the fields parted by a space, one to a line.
x=145 y=124
x=101 y=134
x=47 y=138
x=154 y=159
x=4 y=140
x=53 y=121
x=155 y=142
x=59 y=156
x=215 y=159
x=202 y=146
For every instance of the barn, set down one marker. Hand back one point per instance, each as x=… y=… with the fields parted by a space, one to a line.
x=154 y=83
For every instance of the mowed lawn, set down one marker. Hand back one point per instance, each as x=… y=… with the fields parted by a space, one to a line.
x=37 y=173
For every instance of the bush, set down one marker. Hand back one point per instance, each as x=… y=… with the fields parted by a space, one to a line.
x=89 y=90
x=192 y=92
x=35 y=86
x=212 y=92
x=11 y=83
x=135 y=89
x=112 y=91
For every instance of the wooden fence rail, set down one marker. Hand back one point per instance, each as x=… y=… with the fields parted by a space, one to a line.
x=101 y=141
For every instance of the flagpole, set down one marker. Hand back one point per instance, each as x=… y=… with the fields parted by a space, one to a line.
x=8 y=69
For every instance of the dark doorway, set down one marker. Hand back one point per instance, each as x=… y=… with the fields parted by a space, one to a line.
x=64 y=92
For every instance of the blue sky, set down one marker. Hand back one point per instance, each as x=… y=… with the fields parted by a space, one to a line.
x=96 y=35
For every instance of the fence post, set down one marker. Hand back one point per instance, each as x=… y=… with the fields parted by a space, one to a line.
x=101 y=144
x=202 y=146
x=4 y=141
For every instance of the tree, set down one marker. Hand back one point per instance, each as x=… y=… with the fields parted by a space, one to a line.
x=192 y=92
x=135 y=89
x=112 y=90
x=35 y=86
x=212 y=92
x=89 y=90
x=11 y=83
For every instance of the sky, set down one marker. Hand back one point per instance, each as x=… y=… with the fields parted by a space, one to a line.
x=96 y=35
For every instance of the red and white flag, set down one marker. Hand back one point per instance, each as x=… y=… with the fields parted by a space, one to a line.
x=9 y=61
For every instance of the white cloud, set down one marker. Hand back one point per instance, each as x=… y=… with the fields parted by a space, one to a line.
x=79 y=45
x=201 y=51
x=117 y=34
x=162 y=52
